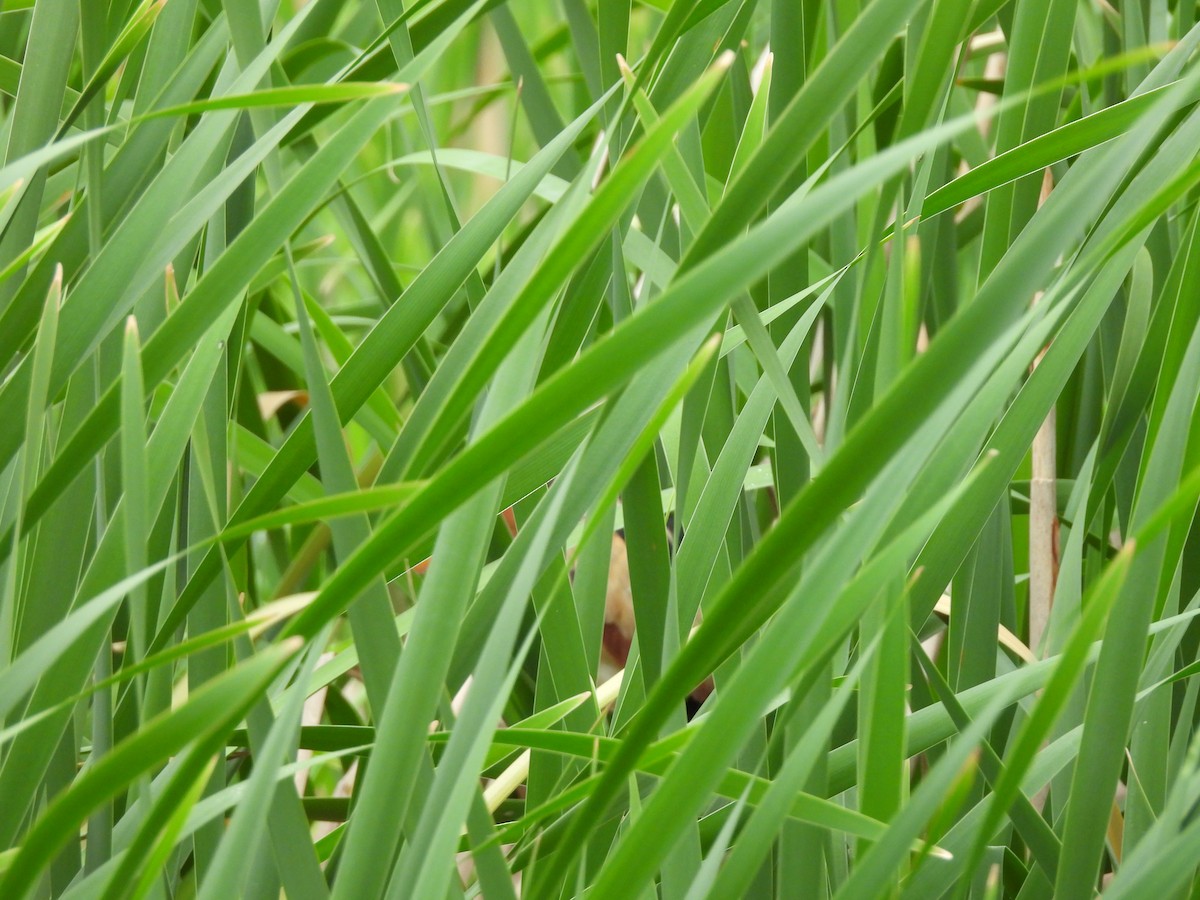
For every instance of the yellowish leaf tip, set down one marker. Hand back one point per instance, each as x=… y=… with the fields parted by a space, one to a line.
x=292 y=645
x=400 y=87
x=623 y=67
x=56 y=287
x=725 y=60
x=131 y=327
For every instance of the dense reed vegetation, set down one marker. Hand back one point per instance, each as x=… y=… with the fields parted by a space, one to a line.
x=369 y=369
